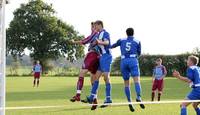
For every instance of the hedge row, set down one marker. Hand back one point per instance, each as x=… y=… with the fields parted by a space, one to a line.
x=147 y=63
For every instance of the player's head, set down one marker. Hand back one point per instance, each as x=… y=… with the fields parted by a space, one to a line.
x=159 y=61
x=99 y=25
x=192 y=60
x=93 y=26
x=37 y=62
x=129 y=31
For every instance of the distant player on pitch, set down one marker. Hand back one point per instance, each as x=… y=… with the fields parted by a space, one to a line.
x=159 y=72
x=130 y=51
x=37 y=70
x=193 y=78
x=91 y=61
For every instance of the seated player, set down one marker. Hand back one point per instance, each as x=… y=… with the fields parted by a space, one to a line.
x=130 y=51
x=90 y=63
x=37 y=70
x=159 y=72
x=193 y=78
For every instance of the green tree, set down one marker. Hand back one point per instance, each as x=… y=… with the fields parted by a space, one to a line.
x=36 y=28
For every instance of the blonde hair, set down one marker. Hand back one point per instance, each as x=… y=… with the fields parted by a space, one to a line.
x=159 y=59
x=194 y=59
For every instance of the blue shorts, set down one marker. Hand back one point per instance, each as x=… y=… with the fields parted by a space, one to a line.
x=129 y=67
x=194 y=94
x=105 y=63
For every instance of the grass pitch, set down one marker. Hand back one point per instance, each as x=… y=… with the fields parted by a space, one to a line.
x=55 y=91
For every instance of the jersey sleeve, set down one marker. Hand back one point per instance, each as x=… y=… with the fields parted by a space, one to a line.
x=164 y=70
x=106 y=36
x=88 y=39
x=139 y=49
x=190 y=74
x=116 y=44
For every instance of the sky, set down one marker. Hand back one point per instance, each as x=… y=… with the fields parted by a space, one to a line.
x=163 y=26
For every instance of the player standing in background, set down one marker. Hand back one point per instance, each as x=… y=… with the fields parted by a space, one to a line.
x=193 y=78
x=90 y=63
x=37 y=70
x=130 y=51
x=105 y=61
x=159 y=72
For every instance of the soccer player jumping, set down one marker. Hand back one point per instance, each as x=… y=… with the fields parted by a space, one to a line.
x=130 y=51
x=90 y=63
x=193 y=78
x=105 y=60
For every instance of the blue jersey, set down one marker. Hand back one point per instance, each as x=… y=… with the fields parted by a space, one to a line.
x=159 y=72
x=104 y=36
x=37 y=68
x=193 y=73
x=130 y=47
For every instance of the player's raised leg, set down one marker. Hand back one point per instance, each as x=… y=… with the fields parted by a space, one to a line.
x=138 y=90
x=79 y=85
x=128 y=94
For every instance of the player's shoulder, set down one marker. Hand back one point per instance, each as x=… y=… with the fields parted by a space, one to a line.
x=193 y=67
x=123 y=39
x=136 y=40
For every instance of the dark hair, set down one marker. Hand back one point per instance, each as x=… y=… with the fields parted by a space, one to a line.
x=92 y=23
x=99 y=22
x=129 y=31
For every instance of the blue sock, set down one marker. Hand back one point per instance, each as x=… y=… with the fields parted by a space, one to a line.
x=138 y=90
x=183 y=111
x=94 y=89
x=128 y=93
x=197 y=111
x=108 y=91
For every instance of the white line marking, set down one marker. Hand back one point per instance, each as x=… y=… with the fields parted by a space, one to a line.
x=112 y=104
x=149 y=102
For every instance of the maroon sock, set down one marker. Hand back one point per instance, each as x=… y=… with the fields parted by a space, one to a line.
x=34 y=82
x=38 y=82
x=152 y=96
x=159 y=95
x=80 y=84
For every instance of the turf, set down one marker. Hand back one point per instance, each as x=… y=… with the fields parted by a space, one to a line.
x=58 y=91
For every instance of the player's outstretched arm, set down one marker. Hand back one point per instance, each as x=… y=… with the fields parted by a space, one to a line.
x=178 y=76
x=116 y=44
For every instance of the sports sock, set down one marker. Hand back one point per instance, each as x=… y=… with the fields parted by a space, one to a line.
x=79 y=85
x=94 y=89
x=159 y=95
x=34 y=82
x=138 y=90
x=108 y=91
x=152 y=96
x=183 y=111
x=38 y=82
x=197 y=111
x=128 y=93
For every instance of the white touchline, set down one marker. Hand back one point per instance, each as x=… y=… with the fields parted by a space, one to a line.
x=111 y=104
x=148 y=102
